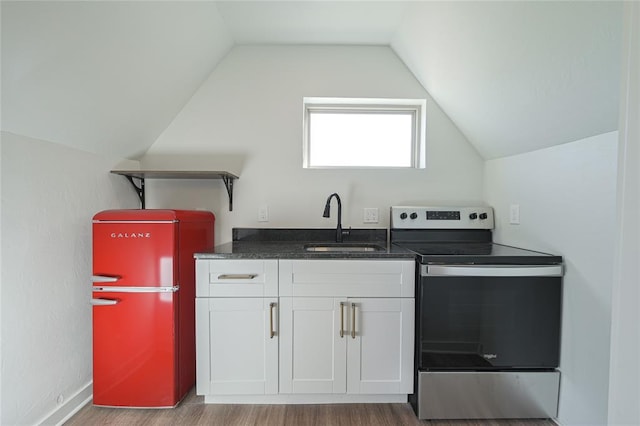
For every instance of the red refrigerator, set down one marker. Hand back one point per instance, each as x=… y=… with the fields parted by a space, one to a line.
x=144 y=304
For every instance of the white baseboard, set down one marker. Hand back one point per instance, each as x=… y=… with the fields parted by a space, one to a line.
x=305 y=399
x=71 y=406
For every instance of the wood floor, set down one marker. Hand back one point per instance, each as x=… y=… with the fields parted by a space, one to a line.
x=193 y=412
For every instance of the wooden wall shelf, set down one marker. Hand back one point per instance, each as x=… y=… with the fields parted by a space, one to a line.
x=137 y=178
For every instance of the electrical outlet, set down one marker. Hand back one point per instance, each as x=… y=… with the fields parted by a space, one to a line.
x=263 y=213
x=370 y=215
x=514 y=214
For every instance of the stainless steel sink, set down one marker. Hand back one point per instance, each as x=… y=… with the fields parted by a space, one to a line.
x=344 y=247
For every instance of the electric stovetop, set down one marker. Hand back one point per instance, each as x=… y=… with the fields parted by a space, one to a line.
x=483 y=253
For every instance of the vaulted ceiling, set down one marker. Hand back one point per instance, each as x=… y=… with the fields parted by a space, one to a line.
x=108 y=77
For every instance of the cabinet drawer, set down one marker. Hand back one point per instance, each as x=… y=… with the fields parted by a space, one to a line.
x=236 y=278
x=347 y=278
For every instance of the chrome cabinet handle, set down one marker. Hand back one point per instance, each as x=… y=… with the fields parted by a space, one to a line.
x=492 y=271
x=104 y=302
x=237 y=276
x=341 y=319
x=272 y=332
x=104 y=279
x=353 y=320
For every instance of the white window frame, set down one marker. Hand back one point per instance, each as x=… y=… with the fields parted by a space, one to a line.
x=415 y=107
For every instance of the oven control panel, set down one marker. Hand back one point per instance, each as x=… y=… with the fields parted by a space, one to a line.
x=424 y=217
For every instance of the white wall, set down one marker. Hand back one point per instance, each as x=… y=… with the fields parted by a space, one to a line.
x=567 y=206
x=104 y=76
x=1 y=275
x=506 y=70
x=624 y=384
x=247 y=118
x=49 y=195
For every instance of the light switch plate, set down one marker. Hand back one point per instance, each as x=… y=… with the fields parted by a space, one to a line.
x=370 y=215
x=263 y=213
x=514 y=214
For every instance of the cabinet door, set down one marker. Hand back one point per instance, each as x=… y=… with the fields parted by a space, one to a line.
x=380 y=346
x=237 y=346
x=312 y=350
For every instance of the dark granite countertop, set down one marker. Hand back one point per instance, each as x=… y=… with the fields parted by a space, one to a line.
x=290 y=243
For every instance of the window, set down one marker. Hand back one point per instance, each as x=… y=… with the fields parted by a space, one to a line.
x=360 y=133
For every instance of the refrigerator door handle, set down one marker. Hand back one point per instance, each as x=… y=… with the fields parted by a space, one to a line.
x=104 y=279
x=104 y=302
x=113 y=289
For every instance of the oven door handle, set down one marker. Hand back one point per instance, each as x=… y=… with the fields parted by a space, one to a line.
x=492 y=271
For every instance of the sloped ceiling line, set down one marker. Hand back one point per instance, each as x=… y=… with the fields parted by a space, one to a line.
x=109 y=77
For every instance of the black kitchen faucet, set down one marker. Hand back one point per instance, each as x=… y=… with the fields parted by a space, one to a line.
x=327 y=208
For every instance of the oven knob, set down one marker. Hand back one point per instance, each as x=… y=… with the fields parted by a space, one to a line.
x=473 y=216
x=403 y=215
x=414 y=215
x=483 y=215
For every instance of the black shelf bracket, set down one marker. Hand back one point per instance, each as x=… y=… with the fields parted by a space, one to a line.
x=138 y=188
x=228 y=183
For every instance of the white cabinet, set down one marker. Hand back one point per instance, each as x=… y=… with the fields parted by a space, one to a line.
x=312 y=355
x=350 y=342
x=380 y=346
x=236 y=337
x=321 y=329
x=348 y=278
x=236 y=278
x=240 y=354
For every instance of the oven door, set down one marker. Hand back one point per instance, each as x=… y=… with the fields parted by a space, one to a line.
x=489 y=318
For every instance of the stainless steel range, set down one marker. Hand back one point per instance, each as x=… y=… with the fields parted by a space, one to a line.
x=488 y=317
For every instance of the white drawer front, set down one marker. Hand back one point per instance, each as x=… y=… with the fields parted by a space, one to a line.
x=236 y=278
x=342 y=278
